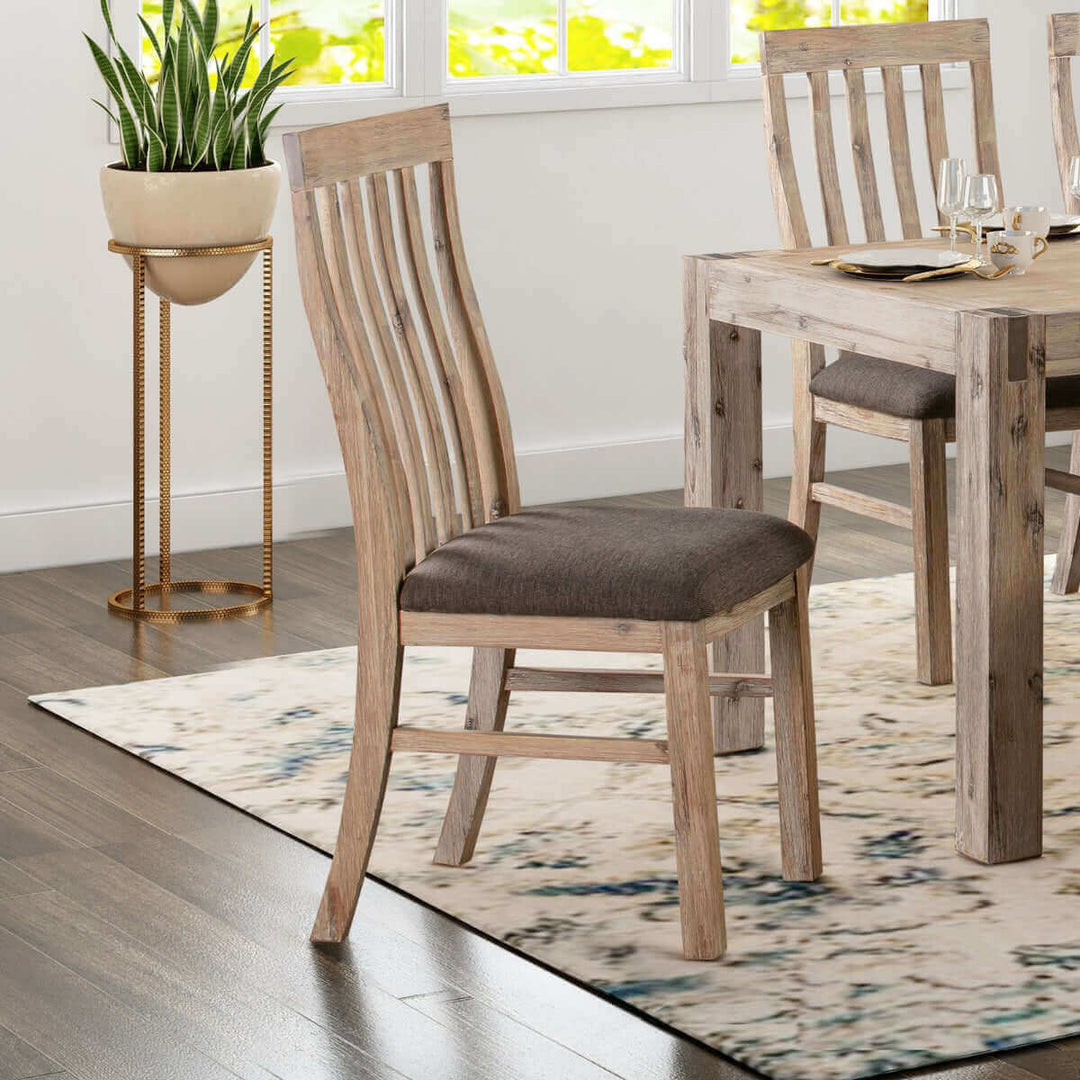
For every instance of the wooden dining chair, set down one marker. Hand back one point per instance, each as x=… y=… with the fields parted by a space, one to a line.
x=865 y=393
x=1064 y=45
x=445 y=556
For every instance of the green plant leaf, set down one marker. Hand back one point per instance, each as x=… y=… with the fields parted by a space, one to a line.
x=167 y=7
x=105 y=66
x=130 y=143
x=170 y=114
x=235 y=73
x=267 y=120
x=193 y=19
x=155 y=153
x=107 y=16
x=202 y=132
x=238 y=158
x=152 y=37
x=108 y=112
x=210 y=27
x=221 y=148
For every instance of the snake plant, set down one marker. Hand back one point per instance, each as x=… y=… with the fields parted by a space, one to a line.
x=193 y=115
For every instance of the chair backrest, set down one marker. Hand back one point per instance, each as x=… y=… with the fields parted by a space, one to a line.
x=1064 y=45
x=418 y=404
x=853 y=49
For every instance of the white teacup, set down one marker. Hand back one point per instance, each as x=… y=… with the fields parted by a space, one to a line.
x=1015 y=250
x=1034 y=219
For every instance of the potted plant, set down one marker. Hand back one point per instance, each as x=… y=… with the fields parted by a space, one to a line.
x=194 y=171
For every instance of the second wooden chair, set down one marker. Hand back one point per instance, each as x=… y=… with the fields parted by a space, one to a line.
x=865 y=393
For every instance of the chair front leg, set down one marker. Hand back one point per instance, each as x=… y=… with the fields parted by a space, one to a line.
x=486 y=711
x=796 y=749
x=1067 y=567
x=930 y=534
x=693 y=788
x=378 y=691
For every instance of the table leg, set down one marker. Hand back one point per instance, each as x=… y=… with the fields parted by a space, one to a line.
x=723 y=468
x=1000 y=430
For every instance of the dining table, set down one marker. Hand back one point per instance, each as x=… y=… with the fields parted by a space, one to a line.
x=1001 y=339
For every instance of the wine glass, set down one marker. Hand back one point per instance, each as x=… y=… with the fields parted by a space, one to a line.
x=981 y=200
x=1074 y=177
x=952 y=174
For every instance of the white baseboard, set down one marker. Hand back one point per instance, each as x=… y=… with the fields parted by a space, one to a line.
x=93 y=533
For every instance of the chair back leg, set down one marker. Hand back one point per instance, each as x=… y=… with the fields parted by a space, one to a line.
x=1067 y=567
x=378 y=691
x=486 y=711
x=693 y=786
x=930 y=536
x=796 y=748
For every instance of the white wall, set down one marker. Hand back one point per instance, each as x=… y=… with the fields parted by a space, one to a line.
x=575 y=224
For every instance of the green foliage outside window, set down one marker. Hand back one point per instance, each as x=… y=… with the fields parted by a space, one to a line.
x=335 y=43
x=750 y=17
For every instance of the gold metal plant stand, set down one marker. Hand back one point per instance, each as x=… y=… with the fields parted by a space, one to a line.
x=131 y=603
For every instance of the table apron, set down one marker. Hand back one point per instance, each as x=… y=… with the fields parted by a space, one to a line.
x=876 y=325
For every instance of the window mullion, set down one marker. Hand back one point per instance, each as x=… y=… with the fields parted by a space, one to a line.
x=561 y=51
x=264 y=29
x=836 y=13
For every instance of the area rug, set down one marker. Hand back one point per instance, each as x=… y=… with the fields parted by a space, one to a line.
x=904 y=954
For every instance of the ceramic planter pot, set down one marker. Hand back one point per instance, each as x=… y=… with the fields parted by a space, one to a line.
x=201 y=209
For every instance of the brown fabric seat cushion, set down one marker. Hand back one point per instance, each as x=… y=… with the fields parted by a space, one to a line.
x=677 y=565
x=910 y=392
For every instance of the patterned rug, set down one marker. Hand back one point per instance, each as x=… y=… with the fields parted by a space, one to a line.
x=904 y=954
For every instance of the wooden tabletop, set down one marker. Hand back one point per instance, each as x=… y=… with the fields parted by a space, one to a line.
x=915 y=323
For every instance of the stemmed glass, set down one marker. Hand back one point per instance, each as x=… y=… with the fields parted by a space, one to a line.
x=981 y=200
x=1074 y=177
x=952 y=174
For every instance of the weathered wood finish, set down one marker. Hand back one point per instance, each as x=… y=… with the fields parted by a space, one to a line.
x=796 y=748
x=1000 y=406
x=693 y=792
x=425 y=437
x=1064 y=34
x=723 y=397
x=842 y=48
x=852 y=50
x=597 y=681
x=489 y=696
x=930 y=530
x=1001 y=357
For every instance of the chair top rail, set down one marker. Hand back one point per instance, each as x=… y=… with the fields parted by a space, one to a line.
x=1065 y=34
x=339 y=152
x=841 y=48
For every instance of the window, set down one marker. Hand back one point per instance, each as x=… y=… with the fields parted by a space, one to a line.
x=521 y=55
x=750 y=17
x=333 y=42
x=493 y=38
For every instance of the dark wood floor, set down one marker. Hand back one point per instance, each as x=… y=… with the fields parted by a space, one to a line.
x=149 y=932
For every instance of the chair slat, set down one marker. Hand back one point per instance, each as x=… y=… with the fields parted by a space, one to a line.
x=390 y=369
x=1063 y=114
x=937 y=136
x=487 y=406
x=356 y=390
x=900 y=149
x=784 y=180
x=459 y=427
x=414 y=367
x=982 y=90
x=825 y=148
x=863 y=154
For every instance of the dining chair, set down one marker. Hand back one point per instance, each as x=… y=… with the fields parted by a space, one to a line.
x=1064 y=31
x=865 y=393
x=445 y=555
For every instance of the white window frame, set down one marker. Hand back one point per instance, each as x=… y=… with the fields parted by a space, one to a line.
x=416 y=67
